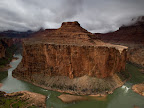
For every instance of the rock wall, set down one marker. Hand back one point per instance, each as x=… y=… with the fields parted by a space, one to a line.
x=136 y=56
x=70 y=60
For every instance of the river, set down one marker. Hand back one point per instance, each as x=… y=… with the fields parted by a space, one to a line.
x=122 y=97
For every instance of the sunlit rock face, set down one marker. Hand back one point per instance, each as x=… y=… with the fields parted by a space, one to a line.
x=139 y=88
x=62 y=56
x=69 y=51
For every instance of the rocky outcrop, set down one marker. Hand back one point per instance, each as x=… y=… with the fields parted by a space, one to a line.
x=68 y=98
x=71 y=98
x=69 y=53
x=22 y=99
x=139 y=88
x=136 y=56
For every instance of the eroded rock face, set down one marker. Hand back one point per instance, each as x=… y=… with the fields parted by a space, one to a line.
x=136 y=56
x=131 y=36
x=69 y=52
x=72 y=61
x=71 y=98
x=27 y=99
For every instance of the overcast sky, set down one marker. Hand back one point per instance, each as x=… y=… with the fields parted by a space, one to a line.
x=94 y=15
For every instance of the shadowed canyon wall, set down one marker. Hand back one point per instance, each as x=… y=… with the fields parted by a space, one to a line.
x=4 y=43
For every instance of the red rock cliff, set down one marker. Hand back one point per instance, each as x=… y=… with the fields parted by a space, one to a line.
x=69 y=52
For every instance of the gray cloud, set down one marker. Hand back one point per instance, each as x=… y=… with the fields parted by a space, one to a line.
x=94 y=15
x=70 y=9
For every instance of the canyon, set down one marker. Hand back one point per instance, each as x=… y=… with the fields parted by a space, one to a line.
x=131 y=36
x=7 y=49
x=69 y=60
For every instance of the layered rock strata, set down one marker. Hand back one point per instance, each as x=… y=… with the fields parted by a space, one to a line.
x=131 y=36
x=67 y=59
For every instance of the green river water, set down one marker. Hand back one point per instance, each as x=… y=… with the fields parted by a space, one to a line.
x=122 y=97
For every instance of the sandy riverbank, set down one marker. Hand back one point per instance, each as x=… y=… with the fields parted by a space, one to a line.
x=139 y=88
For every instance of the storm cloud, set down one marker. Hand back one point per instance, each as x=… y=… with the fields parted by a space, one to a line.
x=94 y=15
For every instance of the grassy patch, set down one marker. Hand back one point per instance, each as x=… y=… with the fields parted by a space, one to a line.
x=7 y=102
x=14 y=101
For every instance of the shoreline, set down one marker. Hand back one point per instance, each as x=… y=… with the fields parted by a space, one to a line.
x=139 y=89
x=26 y=98
x=104 y=94
x=8 y=66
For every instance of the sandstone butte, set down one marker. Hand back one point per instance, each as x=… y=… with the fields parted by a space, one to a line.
x=69 y=60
